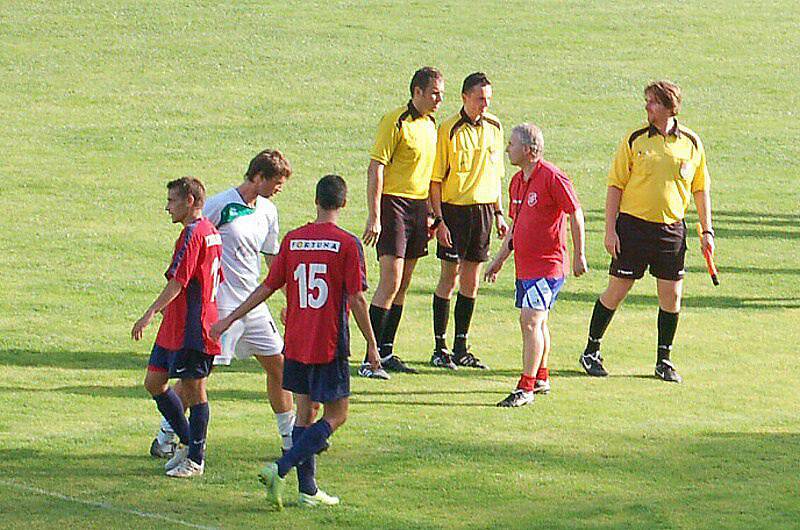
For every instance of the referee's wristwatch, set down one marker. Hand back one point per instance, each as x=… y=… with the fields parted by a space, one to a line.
x=499 y=213
x=710 y=232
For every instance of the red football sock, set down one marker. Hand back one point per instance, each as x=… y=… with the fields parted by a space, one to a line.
x=543 y=374
x=526 y=383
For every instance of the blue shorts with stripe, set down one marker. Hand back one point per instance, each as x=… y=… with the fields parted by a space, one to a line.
x=180 y=364
x=538 y=293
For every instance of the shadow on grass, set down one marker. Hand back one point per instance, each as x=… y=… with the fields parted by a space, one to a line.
x=712 y=480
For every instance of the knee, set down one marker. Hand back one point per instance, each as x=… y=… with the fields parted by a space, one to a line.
x=153 y=386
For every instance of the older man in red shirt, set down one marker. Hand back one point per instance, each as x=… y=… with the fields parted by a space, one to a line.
x=541 y=198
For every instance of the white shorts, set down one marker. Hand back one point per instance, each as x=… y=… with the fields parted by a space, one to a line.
x=253 y=334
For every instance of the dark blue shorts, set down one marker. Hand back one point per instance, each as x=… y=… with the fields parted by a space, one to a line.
x=322 y=383
x=181 y=364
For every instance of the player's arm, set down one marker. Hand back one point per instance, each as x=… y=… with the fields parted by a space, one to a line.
x=268 y=259
x=701 y=190
x=613 y=198
x=168 y=294
x=442 y=232
x=374 y=190
x=702 y=200
x=578 y=230
x=502 y=255
x=360 y=309
x=259 y=295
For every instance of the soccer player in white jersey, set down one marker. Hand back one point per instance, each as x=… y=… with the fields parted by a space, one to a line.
x=248 y=223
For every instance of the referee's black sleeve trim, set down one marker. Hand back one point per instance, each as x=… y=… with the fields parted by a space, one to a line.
x=636 y=134
x=458 y=124
x=689 y=135
x=493 y=122
x=400 y=118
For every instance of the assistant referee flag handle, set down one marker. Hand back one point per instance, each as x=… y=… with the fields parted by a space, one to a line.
x=707 y=253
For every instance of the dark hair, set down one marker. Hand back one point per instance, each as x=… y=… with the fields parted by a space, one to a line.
x=667 y=93
x=270 y=164
x=473 y=80
x=189 y=186
x=424 y=77
x=331 y=192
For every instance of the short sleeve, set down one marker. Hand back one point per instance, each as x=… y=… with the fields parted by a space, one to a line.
x=277 y=270
x=355 y=274
x=701 y=180
x=564 y=194
x=213 y=211
x=184 y=261
x=386 y=140
x=271 y=243
x=441 y=164
x=620 y=172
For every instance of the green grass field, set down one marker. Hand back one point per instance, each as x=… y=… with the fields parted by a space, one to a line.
x=103 y=102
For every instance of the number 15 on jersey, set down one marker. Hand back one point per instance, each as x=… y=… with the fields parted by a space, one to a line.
x=311 y=285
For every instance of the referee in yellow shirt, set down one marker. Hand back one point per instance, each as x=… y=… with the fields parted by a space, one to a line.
x=399 y=177
x=465 y=198
x=657 y=168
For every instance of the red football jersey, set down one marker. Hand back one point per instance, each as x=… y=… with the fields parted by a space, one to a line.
x=321 y=265
x=196 y=265
x=539 y=207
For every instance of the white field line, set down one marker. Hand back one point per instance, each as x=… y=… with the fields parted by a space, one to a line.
x=103 y=505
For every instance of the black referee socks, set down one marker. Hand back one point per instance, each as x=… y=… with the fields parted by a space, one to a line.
x=667 y=325
x=601 y=317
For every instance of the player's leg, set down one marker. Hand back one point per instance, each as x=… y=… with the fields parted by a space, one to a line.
x=542 y=385
x=668 y=268
x=389 y=360
x=194 y=367
x=591 y=360
x=669 y=306
x=469 y=277
x=280 y=400
x=530 y=321
x=167 y=400
x=448 y=276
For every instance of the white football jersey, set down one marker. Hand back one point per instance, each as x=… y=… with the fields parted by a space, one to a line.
x=247 y=232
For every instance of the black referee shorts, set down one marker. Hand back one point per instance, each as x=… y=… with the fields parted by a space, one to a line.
x=661 y=247
x=470 y=229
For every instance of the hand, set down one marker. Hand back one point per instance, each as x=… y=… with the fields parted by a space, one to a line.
x=218 y=328
x=502 y=226
x=373 y=358
x=612 y=243
x=491 y=271
x=431 y=230
x=140 y=325
x=283 y=316
x=707 y=242
x=443 y=235
x=372 y=231
x=579 y=265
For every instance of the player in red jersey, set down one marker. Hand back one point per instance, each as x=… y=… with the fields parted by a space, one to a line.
x=541 y=199
x=322 y=267
x=184 y=348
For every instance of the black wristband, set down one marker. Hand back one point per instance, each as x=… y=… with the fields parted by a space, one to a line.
x=436 y=222
x=709 y=232
x=499 y=212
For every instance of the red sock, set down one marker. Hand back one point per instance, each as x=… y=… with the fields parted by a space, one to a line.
x=543 y=374
x=526 y=383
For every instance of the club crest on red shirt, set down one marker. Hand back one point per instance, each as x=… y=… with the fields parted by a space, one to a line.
x=533 y=198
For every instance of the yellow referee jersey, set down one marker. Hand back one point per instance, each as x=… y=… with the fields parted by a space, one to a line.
x=406 y=146
x=469 y=159
x=658 y=174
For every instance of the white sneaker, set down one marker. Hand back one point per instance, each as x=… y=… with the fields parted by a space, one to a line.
x=159 y=450
x=542 y=386
x=181 y=454
x=319 y=499
x=187 y=468
x=365 y=370
x=221 y=360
